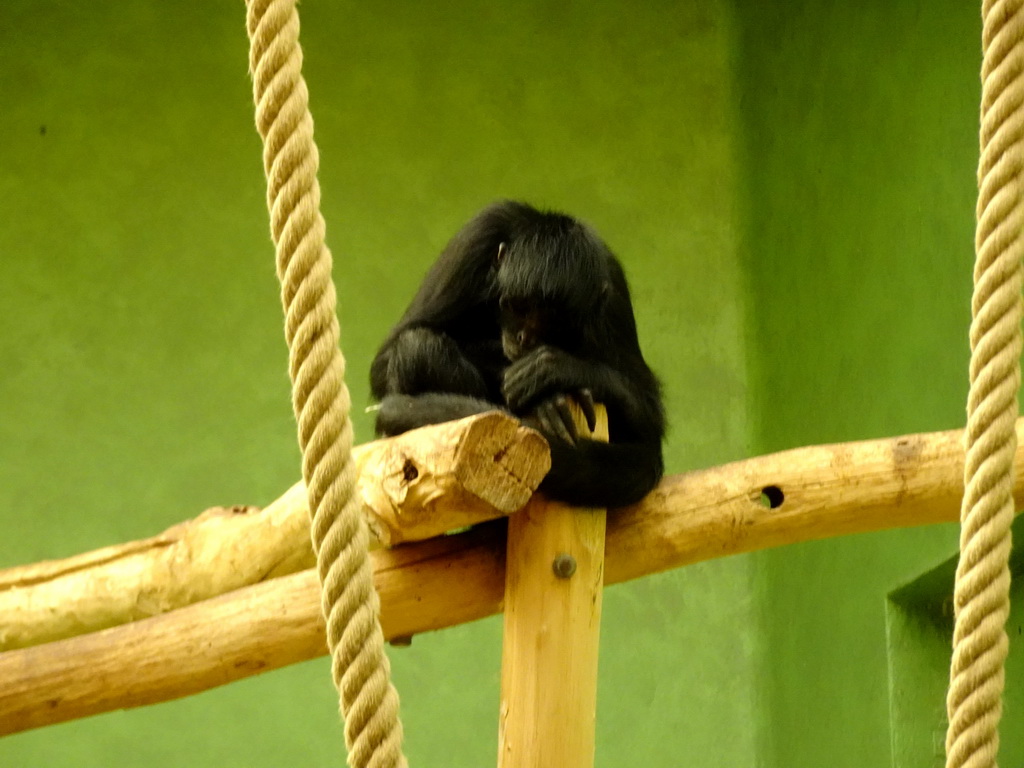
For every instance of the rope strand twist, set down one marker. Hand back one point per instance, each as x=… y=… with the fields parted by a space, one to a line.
x=360 y=668
x=982 y=592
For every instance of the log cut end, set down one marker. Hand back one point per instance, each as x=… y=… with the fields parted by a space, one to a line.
x=447 y=476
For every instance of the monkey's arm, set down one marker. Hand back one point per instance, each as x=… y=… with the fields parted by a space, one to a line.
x=400 y=413
x=421 y=359
x=593 y=474
x=547 y=372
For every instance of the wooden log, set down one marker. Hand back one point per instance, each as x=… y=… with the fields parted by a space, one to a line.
x=554 y=579
x=817 y=492
x=209 y=555
x=448 y=476
x=414 y=486
x=243 y=633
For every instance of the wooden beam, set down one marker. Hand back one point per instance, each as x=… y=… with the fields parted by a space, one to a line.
x=436 y=583
x=414 y=486
x=554 y=577
x=817 y=492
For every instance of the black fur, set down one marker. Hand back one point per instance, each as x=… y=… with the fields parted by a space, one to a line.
x=522 y=309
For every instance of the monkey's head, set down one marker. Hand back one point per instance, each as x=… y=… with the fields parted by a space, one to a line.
x=551 y=276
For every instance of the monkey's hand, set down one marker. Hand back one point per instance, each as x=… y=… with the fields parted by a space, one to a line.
x=553 y=417
x=540 y=374
x=540 y=384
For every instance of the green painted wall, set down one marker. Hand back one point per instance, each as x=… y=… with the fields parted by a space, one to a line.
x=145 y=367
x=790 y=186
x=860 y=128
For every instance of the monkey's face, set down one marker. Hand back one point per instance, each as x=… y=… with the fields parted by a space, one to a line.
x=530 y=323
x=523 y=327
x=519 y=329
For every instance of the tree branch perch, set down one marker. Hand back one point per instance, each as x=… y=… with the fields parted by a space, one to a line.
x=813 y=493
x=414 y=486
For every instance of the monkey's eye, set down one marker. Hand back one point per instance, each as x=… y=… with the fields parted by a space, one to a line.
x=501 y=253
x=514 y=306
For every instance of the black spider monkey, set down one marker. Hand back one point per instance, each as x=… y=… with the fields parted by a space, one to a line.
x=523 y=309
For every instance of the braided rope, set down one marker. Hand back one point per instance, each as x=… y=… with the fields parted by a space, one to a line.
x=981 y=594
x=350 y=604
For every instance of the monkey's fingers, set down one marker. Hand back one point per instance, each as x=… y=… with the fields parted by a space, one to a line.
x=520 y=388
x=534 y=377
x=560 y=404
x=554 y=414
x=513 y=387
x=586 y=402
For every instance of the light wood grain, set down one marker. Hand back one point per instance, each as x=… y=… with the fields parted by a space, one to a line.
x=552 y=629
x=828 y=491
x=414 y=486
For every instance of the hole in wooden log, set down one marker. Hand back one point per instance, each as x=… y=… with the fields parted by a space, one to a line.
x=772 y=497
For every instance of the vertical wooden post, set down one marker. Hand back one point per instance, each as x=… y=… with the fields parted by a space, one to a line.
x=553 y=587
